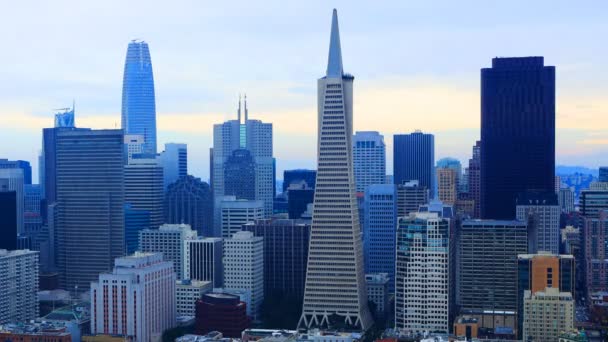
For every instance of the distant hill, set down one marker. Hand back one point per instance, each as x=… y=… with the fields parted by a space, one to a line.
x=569 y=170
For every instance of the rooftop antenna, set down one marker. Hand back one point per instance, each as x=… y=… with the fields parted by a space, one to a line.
x=239 y=111
x=73 y=105
x=246 y=111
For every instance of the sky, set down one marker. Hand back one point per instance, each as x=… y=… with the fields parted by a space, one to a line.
x=416 y=66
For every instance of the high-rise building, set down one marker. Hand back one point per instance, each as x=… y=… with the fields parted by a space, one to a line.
x=134 y=146
x=596 y=252
x=66 y=118
x=414 y=159
x=517 y=132
x=223 y=312
x=299 y=196
x=189 y=200
x=14 y=177
x=19 y=164
x=566 y=200
x=8 y=217
x=136 y=300
x=89 y=222
x=547 y=314
x=174 y=160
x=136 y=220
x=454 y=164
x=18 y=286
x=298 y=176
x=144 y=188
x=422 y=274
x=234 y=213
x=592 y=202
x=187 y=292
x=474 y=175
x=138 y=99
x=244 y=267
x=239 y=175
x=32 y=215
x=537 y=272
x=335 y=278
x=488 y=251
x=603 y=174
x=447 y=185
x=410 y=196
x=285 y=254
x=379 y=230
x=369 y=159
x=170 y=240
x=541 y=212
x=203 y=260
x=252 y=135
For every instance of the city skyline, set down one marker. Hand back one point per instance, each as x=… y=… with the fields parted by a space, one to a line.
x=396 y=91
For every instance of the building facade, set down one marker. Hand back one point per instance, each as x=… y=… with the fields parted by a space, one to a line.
x=170 y=240
x=174 y=160
x=298 y=176
x=566 y=200
x=234 y=213
x=221 y=312
x=378 y=291
x=335 y=279
x=136 y=300
x=14 y=179
x=474 y=175
x=596 y=253
x=138 y=98
x=187 y=292
x=422 y=274
x=8 y=217
x=414 y=159
x=541 y=212
x=410 y=196
x=18 y=285
x=547 y=314
x=239 y=175
x=369 y=159
x=517 y=132
x=203 y=260
x=447 y=185
x=190 y=200
x=592 y=202
x=144 y=188
x=244 y=267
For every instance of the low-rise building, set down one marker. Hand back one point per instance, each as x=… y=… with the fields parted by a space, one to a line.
x=547 y=314
x=187 y=292
x=378 y=291
x=35 y=331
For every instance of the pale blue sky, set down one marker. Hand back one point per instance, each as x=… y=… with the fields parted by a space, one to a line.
x=416 y=65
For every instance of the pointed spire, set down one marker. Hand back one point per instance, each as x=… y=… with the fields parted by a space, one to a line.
x=246 y=112
x=239 y=111
x=334 y=62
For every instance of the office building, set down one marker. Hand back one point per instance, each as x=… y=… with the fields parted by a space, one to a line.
x=239 y=175
x=66 y=118
x=18 y=285
x=422 y=274
x=136 y=220
x=537 y=272
x=488 y=251
x=566 y=200
x=596 y=253
x=447 y=185
x=252 y=135
x=474 y=176
x=592 y=202
x=379 y=230
x=369 y=159
x=547 y=314
x=13 y=181
x=138 y=99
x=8 y=217
x=203 y=260
x=335 y=278
x=517 y=133
x=144 y=188
x=453 y=164
x=378 y=292
x=137 y=300
x=541 y=212
x=234 y=213
x=414 y=159
x=189 y=200
x=221 y=312
x=285 y=254
x=299 y=196
x=89 y=213
x=187 y=292
x=168 y=239
x=19 y=164
x=410 y=196
x=603 y=174
x=174 y=160
x=32 y=214
x=298 y=176
x=134 y=146
x=244 y=267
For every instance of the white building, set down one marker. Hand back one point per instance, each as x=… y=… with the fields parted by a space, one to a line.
x=134 y=144
x=136 y=300
x=187 y=292
x=18 y=285
x=169 y=240
x=203 y=260
x=422 y=274
x=547 y=314
x=244 y=267
x=14 y=178
x=542 y=214
x=378 y=291
x=234 y=213
x=174 y=160
x=369 y=159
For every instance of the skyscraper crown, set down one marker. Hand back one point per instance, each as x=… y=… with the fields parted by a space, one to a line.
x=334 y=61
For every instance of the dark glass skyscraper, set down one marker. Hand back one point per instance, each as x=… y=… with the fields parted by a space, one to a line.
x=414 y=159
x=138 y=100
x=299 y=175
x=239 y=175
x=18 y=164
x=517 y=132
x=189 y=200
x=8 y=218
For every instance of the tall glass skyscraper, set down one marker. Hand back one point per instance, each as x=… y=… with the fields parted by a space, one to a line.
x=517 y=133
x=335 y=279
x=369 y=159
x=138 y=100
x=414 y=159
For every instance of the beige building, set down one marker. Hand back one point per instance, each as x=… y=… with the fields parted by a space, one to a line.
x=547 y=314
x=187 y=292
x=447 y=185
